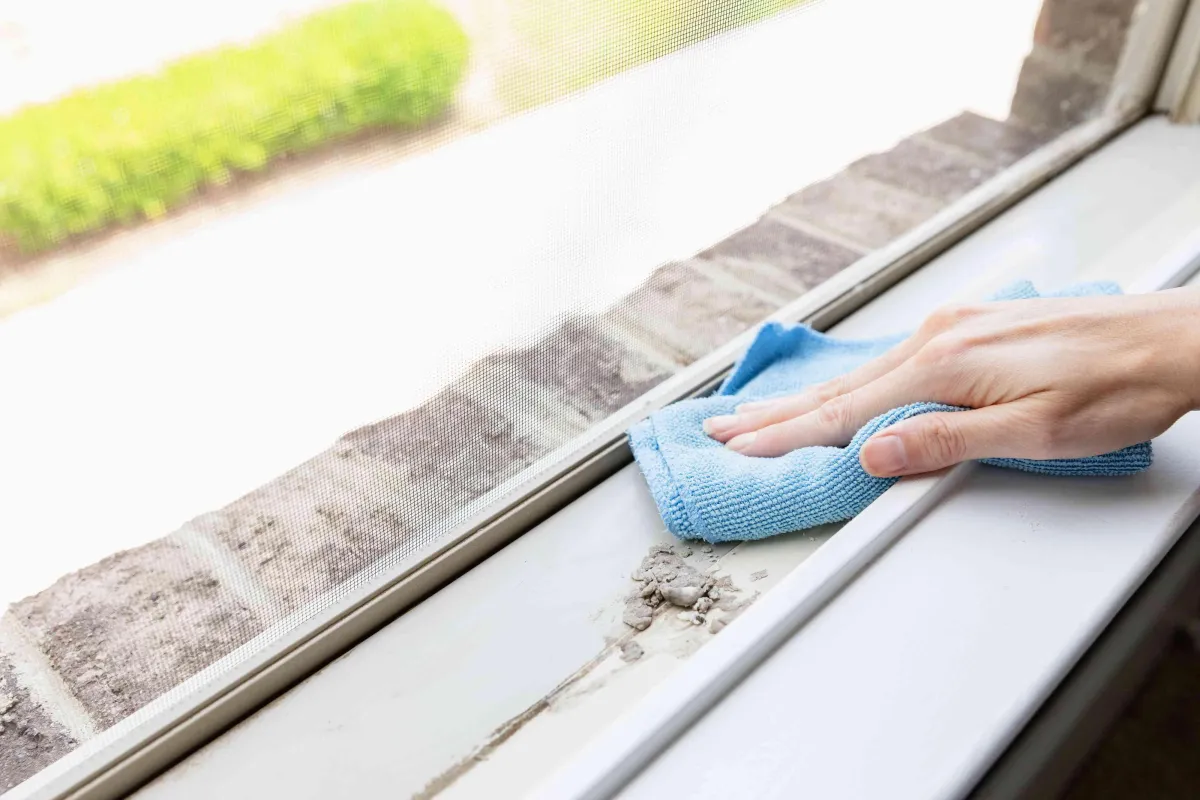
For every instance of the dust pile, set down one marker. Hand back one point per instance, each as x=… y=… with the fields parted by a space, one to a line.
x=665 y=581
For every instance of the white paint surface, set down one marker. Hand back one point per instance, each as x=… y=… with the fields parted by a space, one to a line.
x=949 y=645
x=197 y=366
x=599 y=698
x=429 y=689
x=932 y=660
x=409 y=703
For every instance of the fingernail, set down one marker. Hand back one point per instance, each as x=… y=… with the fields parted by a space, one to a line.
x=884 y=455
x=718 y=425
x=742 y=442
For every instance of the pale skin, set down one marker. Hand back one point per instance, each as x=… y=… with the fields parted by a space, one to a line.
x=1045 y=378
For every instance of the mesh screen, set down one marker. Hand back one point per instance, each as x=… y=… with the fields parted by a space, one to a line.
x=291 y=288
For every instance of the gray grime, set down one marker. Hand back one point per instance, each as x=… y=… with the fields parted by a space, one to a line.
x=631 y=651
x=665 y=580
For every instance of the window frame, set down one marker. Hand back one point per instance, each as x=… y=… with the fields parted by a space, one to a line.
x=1178 y=92
x=133 y=752
x=649 y=731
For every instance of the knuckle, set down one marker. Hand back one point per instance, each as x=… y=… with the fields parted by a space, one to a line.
x=945 y=318
x=944 y=442
x=948 y=317
x=830 y=389
x=941 y=352
x=837 y=412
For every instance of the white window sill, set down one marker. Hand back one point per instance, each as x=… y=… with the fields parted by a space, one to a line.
x=907 y=685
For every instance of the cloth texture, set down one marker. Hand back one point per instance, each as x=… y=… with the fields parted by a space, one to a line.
x=706 y=491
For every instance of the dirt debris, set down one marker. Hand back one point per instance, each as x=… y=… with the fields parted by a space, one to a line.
x=665 y=579
x=758 y=576
x=638 y=614
x=682 y=596
x=631 y=651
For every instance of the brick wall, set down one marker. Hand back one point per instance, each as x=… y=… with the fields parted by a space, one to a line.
x=1076 y=47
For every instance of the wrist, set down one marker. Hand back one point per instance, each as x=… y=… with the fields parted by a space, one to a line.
x=1183 y=338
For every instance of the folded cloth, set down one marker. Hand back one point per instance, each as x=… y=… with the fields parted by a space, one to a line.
x=706 y=491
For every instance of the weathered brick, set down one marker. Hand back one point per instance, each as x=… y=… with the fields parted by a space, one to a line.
x=509 y=409
x=322 y=523
x=806 y=258
x=687 y=313
x=537 y=416
x=858 y=209
x=939 y=173
x=577 y=365
x=1085 y=31
x=126 y=629
x=29 y=739
x=455 y=445
x=774 y=284
x=1052 y=98
x=1001 y=142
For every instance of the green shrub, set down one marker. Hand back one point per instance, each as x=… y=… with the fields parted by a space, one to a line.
x=135 y=148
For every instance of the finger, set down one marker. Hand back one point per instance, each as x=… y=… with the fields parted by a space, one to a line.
x=755 y=416
x=933 y=441
x=834 y=423
x=819 y=393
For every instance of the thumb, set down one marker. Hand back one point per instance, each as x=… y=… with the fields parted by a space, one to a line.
x=933 y=441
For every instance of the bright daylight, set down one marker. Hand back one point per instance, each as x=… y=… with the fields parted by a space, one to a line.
x=599 y=398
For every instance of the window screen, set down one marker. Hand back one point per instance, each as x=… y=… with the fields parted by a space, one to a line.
x=289 y=289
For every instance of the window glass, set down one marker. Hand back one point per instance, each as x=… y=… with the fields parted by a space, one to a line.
x=290 y=288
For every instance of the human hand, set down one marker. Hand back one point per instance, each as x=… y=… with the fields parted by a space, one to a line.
x=1044 y=378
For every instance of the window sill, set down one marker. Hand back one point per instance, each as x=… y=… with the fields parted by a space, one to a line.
x=953 y=640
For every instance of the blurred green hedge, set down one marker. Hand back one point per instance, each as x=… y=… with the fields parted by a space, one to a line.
x=136 y=147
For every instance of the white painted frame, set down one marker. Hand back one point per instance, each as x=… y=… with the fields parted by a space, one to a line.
x=1179 y=90
x=1153 y=41
x=627 y=747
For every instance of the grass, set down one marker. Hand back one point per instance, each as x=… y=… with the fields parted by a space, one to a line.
x=135 y=148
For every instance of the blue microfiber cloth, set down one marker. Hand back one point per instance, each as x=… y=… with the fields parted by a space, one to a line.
x=706 y=491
